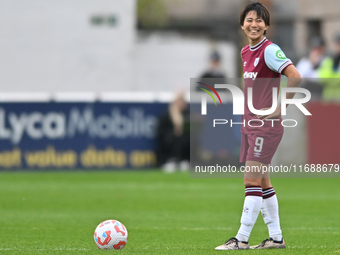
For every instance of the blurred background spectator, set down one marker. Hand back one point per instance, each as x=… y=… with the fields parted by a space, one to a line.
x=330 y=72
x=309 y=67
x=173 y=136
x=214 y=70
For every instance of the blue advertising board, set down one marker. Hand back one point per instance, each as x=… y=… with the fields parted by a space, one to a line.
x=219 y=143
x=78 y=135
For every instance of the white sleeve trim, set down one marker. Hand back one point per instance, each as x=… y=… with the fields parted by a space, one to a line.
x=285 y=65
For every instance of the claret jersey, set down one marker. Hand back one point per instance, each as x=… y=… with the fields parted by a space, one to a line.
x=264 y=60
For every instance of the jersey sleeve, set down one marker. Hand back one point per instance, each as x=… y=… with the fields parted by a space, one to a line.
x=275 y=59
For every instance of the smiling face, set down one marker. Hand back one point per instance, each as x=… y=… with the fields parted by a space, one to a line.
x=254 y=27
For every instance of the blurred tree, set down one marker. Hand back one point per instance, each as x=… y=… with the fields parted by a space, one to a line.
x=152 y=14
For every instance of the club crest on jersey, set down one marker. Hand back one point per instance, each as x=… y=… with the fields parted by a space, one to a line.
x=256 y=61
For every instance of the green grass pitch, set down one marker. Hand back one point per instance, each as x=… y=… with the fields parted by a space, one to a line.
x=57 y=212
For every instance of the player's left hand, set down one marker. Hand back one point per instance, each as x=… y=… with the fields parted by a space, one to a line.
x=274 y=115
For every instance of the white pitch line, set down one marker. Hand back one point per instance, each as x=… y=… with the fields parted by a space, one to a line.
x=228 y=228
x=42 y=249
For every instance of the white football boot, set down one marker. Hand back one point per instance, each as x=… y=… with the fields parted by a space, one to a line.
x=233 y=244
x=270 y=244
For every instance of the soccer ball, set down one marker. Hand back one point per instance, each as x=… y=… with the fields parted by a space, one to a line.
x=110 y=234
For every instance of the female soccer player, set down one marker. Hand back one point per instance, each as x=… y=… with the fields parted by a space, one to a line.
x=261 y=59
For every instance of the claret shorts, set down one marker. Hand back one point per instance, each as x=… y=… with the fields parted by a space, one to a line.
x=260 y=148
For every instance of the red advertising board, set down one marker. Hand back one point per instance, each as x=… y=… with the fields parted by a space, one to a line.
x=323 y=133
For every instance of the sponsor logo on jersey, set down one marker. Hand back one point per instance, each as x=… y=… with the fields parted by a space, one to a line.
x=256 y=61
x=245 y=62
x=280 y=54
x=250 y=75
